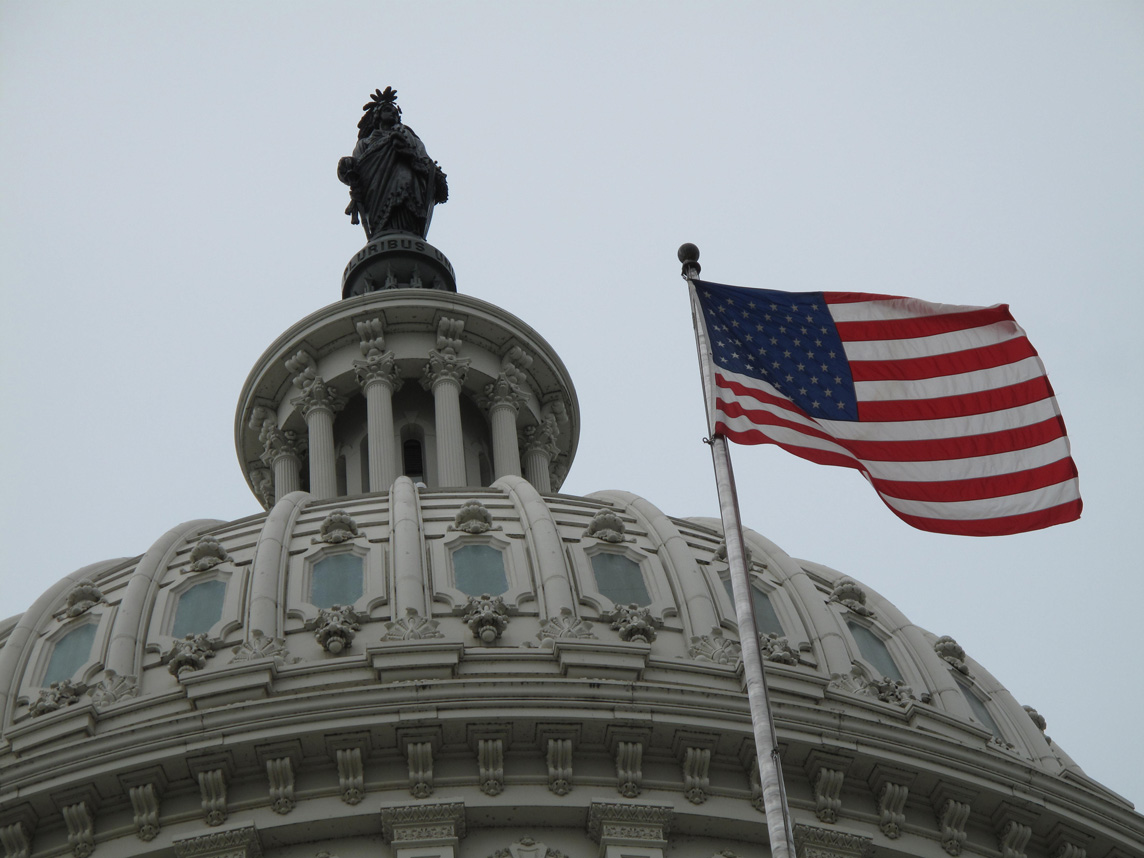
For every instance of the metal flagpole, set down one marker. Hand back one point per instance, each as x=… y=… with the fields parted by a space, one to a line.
x=766 y=746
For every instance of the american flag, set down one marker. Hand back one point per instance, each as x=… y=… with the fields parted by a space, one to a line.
x=946 y=410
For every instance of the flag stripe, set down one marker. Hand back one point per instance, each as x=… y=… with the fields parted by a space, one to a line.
x=980 y=402
x=951 y=363
x=945 y=409
x=921 y=326
x=952 y=341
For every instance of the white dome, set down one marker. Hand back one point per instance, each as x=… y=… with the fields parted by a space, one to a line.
x=288 y=673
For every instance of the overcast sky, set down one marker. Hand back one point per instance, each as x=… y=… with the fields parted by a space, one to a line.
x=169 y=205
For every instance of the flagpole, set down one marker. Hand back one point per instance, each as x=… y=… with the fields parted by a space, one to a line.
x=775 y=804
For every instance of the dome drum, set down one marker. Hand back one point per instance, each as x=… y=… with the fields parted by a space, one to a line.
x=473 y=391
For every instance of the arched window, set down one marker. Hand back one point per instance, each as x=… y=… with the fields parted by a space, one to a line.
x=69 y=654
x=336 y=579
x=620 y=579
x=766 y=620
x=199 y=608
x=412 y=461
x=873 y=649
x=479 y=569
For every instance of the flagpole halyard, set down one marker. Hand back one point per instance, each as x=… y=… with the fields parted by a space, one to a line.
x=775 y=805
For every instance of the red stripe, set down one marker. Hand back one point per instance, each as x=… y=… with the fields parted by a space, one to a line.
x=962 y=405
x=1001 y=526
x=979 y=488
x=967 y=447
x=857 y=297
x=811 y=454
x=922 y=326
x=762 y=396
x=761 y=417
x=952 y=363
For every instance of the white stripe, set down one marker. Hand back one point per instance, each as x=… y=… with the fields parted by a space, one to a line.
x=1017 y=504
x=882 y=309
x=940 y=470
x=938 y=344
x=950 y=385
x=948 y=427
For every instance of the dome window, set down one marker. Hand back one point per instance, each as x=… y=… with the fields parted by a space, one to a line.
x=980 y=713
x=873 y=649
x=336 y=579
x=479 y=570
x=69 y=654
x=766 y=620
x=199 y=608
x=620 y=579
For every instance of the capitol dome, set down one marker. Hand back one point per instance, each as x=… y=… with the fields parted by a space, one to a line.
x=420 y=648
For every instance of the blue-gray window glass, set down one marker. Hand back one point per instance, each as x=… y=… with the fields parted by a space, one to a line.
x=766 y=620
x=479 y=569
x=336 y=580
x=874 y=651
x=620 y=579
x=69 y=654
x=199 y=608
x=979 y=710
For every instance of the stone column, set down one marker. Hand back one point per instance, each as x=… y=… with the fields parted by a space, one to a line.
x=379 y=381
x=503 y=398
x=444 y=374
x=282 y=452
x=318 y=402
x=539 y=451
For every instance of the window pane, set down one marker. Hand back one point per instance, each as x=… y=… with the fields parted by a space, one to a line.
x=766 y=620
x=874 y=651
x=979 y=710
x=479 y=569
x=69 y=654
x=199 y=608
x=336 y=580
x=620 y=579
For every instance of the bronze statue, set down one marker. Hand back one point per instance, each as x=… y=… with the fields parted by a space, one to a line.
x=393 y=183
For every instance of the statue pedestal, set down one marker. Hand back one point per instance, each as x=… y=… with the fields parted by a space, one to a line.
x=398 y=260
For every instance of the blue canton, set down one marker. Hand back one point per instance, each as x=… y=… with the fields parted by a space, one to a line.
x=787 y=339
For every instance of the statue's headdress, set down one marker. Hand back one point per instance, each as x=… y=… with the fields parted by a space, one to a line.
x=369 y=119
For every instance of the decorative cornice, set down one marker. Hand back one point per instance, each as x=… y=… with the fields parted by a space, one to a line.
x=408 y=823
x=629 y=823
x=813 y=842
x=233 y=843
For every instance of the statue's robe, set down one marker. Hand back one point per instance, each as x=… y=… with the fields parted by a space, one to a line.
x=396 y=180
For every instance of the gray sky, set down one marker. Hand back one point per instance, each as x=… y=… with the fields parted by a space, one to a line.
x=169 y=205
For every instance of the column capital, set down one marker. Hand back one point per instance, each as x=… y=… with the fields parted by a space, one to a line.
x=542 y=437
x=444 y=366
x=319 y=396
x=503 y=392
x=379 y=368
x=280 y=443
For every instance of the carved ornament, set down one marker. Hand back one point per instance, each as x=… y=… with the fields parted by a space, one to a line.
x=207 y=554
x=849 y=593
x=15 y=840
x=473 y=517
x=527 y=847
x=606 y=525
x=337 y=527
x=411 y=627
x=113 y=688
x=234 y=843
x=335 y=627
x=409 y=823
x=567 y=625
x=81 y=829
x=633 y=623
x=952 y=817
x=721 y=553
x=260 y=646
x=814 y=842
x=145 y=807
x=715 y=648
x=696 y=766
x=629 y=768
x=948 y=649
x=777 y=648
x=82 y=598
x=486 y=616
x=351 y=775
x=629 y=821
x=559 y=759
x=189 y=654
x=319 y=396
x=57 y=696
